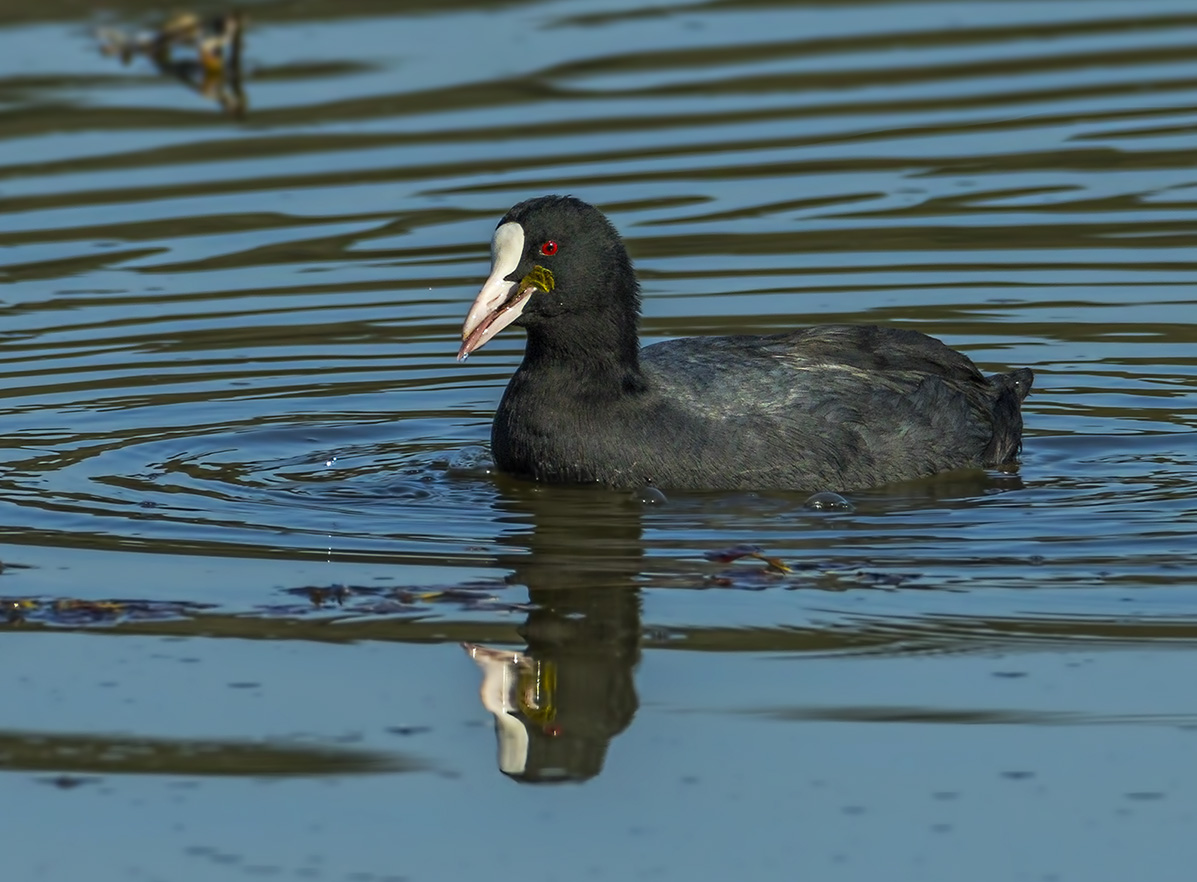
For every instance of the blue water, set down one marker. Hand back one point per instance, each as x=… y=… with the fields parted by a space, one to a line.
x=248 y=517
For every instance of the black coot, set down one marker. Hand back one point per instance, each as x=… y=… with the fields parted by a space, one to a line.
x=825 y=408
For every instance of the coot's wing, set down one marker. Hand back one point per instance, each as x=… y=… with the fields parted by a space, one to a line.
x=764 y=373
x=837 y=406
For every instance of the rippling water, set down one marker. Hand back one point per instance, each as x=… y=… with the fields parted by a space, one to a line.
x=230 y=401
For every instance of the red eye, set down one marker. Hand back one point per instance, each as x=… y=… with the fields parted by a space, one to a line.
x=549 y=248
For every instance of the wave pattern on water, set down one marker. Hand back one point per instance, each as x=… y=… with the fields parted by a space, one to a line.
x=236 y=340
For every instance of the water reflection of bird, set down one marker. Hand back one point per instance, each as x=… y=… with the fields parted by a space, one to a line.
x=210 y=38
x=520 y=692
x=825 y=408
x=211 y=59
x=559 y=702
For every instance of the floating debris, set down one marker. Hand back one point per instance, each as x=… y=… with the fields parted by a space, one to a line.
x=728 y=555
x=73 y=612
x=747 y=579
x=203 y=53
x=318 y=603
x=324 y=596
x=823 y=575
x=736 y=552
x=359 y=600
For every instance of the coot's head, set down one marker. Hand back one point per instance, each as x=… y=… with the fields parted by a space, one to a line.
x=558 y=268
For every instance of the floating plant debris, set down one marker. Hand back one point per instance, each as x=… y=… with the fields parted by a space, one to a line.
x=354 y=600
x=71 y=611
x=736 y=552
x=823 y=575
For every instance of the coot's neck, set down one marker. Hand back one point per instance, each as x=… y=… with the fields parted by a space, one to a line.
x=596 y=354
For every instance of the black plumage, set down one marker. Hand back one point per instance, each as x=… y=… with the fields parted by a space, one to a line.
x=835 y=407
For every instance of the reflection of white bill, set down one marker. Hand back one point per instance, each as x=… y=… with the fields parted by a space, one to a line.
x=517 y=690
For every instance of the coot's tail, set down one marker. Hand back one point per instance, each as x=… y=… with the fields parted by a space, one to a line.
x=1010 y=390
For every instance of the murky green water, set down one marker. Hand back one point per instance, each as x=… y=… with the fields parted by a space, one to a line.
x=248 y=521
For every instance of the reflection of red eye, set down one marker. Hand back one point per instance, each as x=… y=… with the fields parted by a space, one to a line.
x=549 y=248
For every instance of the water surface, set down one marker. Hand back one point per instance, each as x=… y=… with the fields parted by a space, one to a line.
x=248 y=517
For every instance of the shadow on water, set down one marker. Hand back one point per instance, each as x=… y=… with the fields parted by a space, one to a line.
x=115 y=755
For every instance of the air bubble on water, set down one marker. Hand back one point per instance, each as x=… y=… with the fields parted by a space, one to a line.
x=828 y=501
x=649 y=495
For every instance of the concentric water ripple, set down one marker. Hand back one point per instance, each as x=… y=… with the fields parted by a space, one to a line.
x=239 y=337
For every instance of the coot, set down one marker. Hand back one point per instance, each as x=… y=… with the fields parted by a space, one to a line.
x=836 y=407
